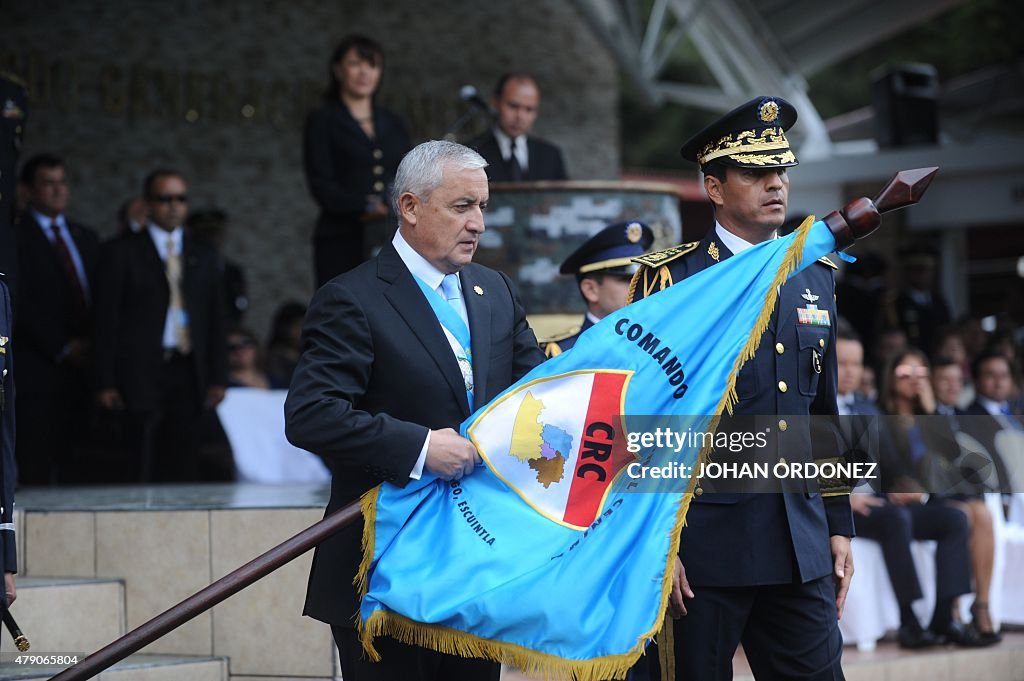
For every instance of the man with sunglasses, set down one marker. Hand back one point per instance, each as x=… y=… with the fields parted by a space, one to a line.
x=160 y=350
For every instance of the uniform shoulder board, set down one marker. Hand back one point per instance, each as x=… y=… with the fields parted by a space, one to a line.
x=667 y=255
x=559 y=337
x=826 y=261
x=551 y=345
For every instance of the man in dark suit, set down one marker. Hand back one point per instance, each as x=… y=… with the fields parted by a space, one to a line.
x=53 y=309
x=160 y=349
x=8 y=469
x=603 y=266
x=386 y=375
x=770 y=570
x=512 y=154
x=13 y=98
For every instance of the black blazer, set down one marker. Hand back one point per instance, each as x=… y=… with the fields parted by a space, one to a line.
x=45 y=318
x=340 y=159
x=131 y=309
x=546 y=161
x=376 y=373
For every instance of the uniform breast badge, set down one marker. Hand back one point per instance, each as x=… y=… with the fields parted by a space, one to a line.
x=811 y=315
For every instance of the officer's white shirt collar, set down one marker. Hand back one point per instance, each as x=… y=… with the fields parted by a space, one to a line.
x=735 y=244
x=505 y=145
x=594 y=319
x=417 y=264
x=159 y=236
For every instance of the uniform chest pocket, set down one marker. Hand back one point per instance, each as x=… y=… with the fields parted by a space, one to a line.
x=812 y=342
x=746 y=382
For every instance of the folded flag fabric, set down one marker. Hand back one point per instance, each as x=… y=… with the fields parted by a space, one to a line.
x=547 y=557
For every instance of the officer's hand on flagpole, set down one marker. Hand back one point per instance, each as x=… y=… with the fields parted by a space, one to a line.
x=842 y=570
x=449 y=455
x=680 y=588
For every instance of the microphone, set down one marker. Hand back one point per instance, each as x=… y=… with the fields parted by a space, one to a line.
x=469 y=94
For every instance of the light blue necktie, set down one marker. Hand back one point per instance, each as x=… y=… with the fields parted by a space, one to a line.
x=451 y=292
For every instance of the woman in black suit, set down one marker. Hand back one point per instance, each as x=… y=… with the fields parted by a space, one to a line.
x=352 y=149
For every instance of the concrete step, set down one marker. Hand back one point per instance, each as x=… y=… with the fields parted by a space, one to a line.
x=133 y=668
x=1003 y=662
x=68 y=615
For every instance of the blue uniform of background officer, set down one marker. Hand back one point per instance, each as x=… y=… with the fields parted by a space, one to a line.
x=603 y=266
x=769 y=570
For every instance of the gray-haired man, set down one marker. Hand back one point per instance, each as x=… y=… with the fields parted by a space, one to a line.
x=388 y=372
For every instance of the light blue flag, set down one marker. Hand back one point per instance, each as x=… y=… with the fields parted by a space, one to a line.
x=545 y=558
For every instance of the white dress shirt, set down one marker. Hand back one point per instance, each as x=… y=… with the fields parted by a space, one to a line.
x=520 y=150
x=46 y=223
x=432 y=277
x=159 y=236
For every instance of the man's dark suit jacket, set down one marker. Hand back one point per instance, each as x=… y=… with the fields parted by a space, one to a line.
x=376 y=373
x=545 y=160
x=131 y=298
x=44 y=308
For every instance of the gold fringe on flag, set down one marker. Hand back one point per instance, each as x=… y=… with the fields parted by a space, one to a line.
x=532 y=662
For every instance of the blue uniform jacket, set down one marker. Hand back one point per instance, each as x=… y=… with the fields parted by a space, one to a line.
x=746 y=539
x=7 y=466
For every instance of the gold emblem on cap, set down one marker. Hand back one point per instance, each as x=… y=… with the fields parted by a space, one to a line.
x=477 y=290
x=634 y=232
x=769 y=111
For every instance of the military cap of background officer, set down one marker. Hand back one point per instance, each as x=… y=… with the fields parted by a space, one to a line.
x=752 y=135
x=610 y=251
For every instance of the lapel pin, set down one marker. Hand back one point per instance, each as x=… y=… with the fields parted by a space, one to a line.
x=808 y=296
x=713 y=251
x=478 y=290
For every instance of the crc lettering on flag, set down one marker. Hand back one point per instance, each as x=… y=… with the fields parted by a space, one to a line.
x=544 y=558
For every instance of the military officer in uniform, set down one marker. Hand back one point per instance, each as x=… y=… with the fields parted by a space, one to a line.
x=8 y=469
x=769 y=570
x=13 y=96
x=603 y=266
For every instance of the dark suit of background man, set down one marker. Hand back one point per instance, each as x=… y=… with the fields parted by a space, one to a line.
x=160 y=350
x=53 y=321
x=767 y=569
x=512 y=154
x=603 y=266
x=380 y=385
x=13 y=98
x=8 y=547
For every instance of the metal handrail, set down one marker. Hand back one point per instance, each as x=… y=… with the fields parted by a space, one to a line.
x=203 y=600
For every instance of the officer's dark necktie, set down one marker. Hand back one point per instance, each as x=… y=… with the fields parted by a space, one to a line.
x=77 y=291
x=515 y=169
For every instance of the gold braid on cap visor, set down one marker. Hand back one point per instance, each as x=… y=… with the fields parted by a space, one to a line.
x=745 y=142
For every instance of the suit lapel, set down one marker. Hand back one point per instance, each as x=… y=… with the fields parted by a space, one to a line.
x=407 y=299
x=478 y=307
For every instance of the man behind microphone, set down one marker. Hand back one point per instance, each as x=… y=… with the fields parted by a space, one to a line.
x=512 y=154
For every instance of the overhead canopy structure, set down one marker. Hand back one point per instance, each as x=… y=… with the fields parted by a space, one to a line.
x=750 y=49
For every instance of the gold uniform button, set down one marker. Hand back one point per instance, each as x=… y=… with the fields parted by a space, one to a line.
x=378 y=154
x=698 y=491
x=783 y=387
x=821 y=342
x=783 y=425
x=780 y=348
x=782 y=460
x=378 y=186
x=378 y=170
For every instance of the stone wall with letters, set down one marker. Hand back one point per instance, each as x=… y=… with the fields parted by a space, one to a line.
x=219 y=89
